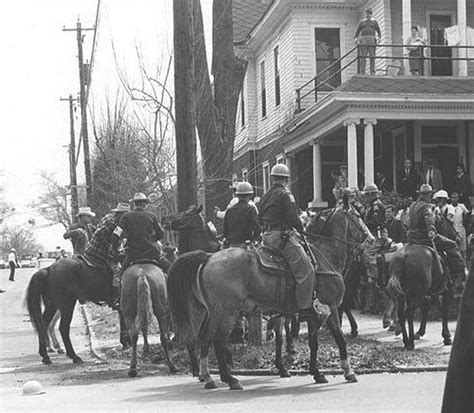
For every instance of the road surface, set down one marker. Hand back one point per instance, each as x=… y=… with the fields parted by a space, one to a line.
x=96 y=386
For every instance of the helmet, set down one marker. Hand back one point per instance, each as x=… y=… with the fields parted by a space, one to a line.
x=370 y=189
x=243 y=188
x=425 y=189
x=280 y=169
x=441 y=194
x=32 y=387
x=349 y=191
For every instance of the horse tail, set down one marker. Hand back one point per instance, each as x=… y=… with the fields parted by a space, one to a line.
x=396 y=271
x=144 y=304
x=34 y=296
x=181 y=280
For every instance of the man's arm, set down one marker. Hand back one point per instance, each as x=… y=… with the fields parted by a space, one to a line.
x=359 y=28
x=289 y=207
x=256 y=228
x=377 y=29
x=429 y=219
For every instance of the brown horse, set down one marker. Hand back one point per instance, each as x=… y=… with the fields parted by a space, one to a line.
x=207 y=292
x=144 y=297
x=58 y=287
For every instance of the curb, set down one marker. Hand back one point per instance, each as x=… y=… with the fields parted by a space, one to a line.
x=93 y=341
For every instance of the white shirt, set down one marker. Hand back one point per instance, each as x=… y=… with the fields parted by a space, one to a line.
x=12 y=257
x=233 y=201
x=459 y=211
x=447 y=211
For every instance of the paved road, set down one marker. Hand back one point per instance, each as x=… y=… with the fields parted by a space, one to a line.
x=96 y=387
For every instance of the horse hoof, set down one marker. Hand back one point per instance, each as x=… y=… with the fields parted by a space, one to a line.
x=235 y=385
x=354 y=333
x=448 y=341
x=210 y=385
x=77 y=360
x=61 y=351
x=418 y=336
x=284 y=374
x=410 y=346
x=351 y=378
x=132 y=373
x=320 y=378
x=201 y=379
x=50 y=350
x=46 y=360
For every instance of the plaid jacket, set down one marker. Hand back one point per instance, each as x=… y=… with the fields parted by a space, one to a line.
x=99 y=248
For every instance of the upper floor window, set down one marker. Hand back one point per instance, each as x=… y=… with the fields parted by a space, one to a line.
x=263 y=89
x=266 y=176
x=277 y=76
x=328 y=52
x=234 y=180
x=242 y=108
x=245 y=175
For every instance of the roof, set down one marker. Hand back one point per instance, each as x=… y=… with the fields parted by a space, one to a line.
x=246 y=15
x=409 y=84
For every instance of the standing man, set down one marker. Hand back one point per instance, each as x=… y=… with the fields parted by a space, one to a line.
x=395 y=228
x=463 y=186
x=99 y=250
x=241 y=220
x=375 y=220
x=409 y=180
x=442 y=206
x=460 y=221
x=367 y=36
x=432 y=176
x=13 y=263
x=81 y=232
x=282 y=225
x=142 y=231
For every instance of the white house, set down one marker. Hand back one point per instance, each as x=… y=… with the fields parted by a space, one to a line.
x=303 y=102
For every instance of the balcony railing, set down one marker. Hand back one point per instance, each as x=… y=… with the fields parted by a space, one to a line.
x=325 y=80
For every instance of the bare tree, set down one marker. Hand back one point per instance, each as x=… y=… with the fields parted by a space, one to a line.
x=20 y=238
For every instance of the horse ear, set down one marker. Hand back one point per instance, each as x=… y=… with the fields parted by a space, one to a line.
x=199 y=210
x=345 y=201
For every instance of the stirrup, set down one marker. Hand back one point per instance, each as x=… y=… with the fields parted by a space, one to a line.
x=322 y=310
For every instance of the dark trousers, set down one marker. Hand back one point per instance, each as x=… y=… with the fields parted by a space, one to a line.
x=12 y=271
x=367 y=46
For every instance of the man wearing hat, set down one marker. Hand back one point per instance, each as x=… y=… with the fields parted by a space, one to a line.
x=13 y=263
x=81 y=232
x=278 y=214
x=241 y=220
x=442 y=207
x=367 y=36
x=234 y=201
x=99 y=249
x=422 y=231
x=142 y=231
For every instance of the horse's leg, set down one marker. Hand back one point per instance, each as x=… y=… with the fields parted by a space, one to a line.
x=193 y=360
x=411 y=330
x=402 y=318
x=146 y=346
x=290 y=347
x=53 y=324
x=278 y=328
x=447 y=298
x=425 y=307
x=352 y=321
x=64 y=327
x=226 y=375
x=124 y=334
x=133 y=363
x=313 y=325
x=336 y=331
x=48 y=315
x=165 y=342
x=295 y=326
x=204 y=374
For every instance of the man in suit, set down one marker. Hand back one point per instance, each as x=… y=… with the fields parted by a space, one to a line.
x=432 y=176
x=463 y=185
x=409 y=180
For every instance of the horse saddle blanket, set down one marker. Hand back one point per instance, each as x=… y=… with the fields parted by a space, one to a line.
x=272 y=262
x=387 y=254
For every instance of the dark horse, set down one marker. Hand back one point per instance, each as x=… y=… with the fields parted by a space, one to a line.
x=144 y=297
x=57 y=287
x=414 y=286
x=207 y=292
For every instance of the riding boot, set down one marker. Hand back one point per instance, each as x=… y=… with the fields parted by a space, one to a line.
x=114 y=302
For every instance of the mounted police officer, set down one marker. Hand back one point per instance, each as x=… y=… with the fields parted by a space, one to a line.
x=142 y=231
x=374 y=219
x=241 y=220
x=422 y=231
x=282 y=225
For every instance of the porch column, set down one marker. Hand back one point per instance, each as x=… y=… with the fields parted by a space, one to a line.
x=406 y=30
x=369 y=150
x=317 y=201
x=462 y=25
x=351 y=125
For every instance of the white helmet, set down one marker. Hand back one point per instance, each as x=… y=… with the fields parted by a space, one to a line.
x=32 y=387
x=243 y=188
x=441 y=194
x=280 y=169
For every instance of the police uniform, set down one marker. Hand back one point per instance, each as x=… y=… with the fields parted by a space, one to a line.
x=374 y=219
x=366 y=33
x=241 y=224
x=279 y=218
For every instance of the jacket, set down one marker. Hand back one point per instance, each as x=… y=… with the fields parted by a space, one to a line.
x=421 y=220
x=241 y=223
x=409 y=183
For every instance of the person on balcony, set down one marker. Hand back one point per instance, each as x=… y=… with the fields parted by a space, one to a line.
x=415 y=46
x=367 y=36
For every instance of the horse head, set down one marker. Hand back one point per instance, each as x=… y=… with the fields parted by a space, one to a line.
x=189 y=220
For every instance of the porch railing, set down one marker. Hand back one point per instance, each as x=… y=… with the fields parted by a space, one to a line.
x=326 y=79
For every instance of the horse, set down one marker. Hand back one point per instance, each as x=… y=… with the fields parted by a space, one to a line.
x=52 y=341
x=413 y=285
x=207 y=292
x=58 y=287
x=143 y=297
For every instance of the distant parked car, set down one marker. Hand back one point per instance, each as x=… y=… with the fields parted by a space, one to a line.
x=33 y=262
x=24 y=264
x=3 y=264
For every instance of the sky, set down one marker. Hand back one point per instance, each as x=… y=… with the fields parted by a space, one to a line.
x=39 y=66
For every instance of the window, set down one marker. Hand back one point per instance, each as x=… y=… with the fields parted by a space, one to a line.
x=264 y=90
x=266 y=176
x=245 y=175
x=242 y=108
x=280 y=158
x=234 y=179
x=328 y=51
x=277 y=76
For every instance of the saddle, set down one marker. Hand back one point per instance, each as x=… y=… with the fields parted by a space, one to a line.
x=145 y=261
x=87 y=262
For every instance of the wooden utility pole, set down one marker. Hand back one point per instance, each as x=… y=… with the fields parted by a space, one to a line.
x=186 y=164
x=83 y=81
x=72 y=160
